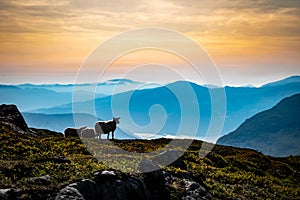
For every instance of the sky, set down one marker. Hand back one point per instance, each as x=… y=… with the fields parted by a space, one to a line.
x=250 y=42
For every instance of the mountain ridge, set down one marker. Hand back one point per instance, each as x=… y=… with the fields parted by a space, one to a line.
x=241 y=103
x=275 y=131
x=290 y=79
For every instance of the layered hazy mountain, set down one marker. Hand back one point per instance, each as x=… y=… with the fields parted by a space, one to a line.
x=274 y=132
x=242 y=103
x=30 y=96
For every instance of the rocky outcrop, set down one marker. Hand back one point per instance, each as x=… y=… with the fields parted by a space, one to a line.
x=107 y=185
x=12 y=118
x=10 y=115
x=10 y=193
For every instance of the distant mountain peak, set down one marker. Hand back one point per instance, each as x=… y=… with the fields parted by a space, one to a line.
x=291 y=79
x=249 y=86
x=118 y=81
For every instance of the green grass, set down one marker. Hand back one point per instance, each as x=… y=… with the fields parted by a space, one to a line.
x=225 y=172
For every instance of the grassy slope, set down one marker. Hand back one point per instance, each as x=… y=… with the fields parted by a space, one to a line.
x=225 y=172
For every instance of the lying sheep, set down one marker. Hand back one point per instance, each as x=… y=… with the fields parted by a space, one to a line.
x=88 y=133
x=102 y=127
x=73 y=132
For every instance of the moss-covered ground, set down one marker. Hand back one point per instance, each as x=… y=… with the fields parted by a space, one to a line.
x=227 y=172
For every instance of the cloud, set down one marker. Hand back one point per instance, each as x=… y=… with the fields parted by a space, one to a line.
x=264 y=17
x=235 y=32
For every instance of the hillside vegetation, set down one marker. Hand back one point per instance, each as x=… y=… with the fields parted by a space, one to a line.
x=226 y=172
x=39 y=164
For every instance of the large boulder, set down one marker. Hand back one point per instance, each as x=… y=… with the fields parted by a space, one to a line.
x=155 y=185
x=107 y=186
x=154 y=179
x=10 y=115
x=69 y=193
x=9 y=193
x=12 y=119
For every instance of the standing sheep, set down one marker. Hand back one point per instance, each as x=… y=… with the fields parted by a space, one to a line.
x=73 y=132
x=106 y=127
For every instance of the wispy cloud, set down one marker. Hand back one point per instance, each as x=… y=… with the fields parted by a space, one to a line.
x=235 y=32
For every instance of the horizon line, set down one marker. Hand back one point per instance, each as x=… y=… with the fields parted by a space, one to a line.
x=159 y=82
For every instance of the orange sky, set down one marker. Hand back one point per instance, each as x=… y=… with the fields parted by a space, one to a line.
x=251 y=42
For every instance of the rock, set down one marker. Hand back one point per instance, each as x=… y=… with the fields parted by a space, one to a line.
x=108 y=173
x=87 y=188
x=169 y=179
x=11 y=118
x=153 y=179
x=83 y=190
x=189 y=189
x=194 y=190
x=69 y=193
x=104 y=176
x=130 y=187
x=10 y=193
x=107 y=186
x=41 y=180
x=10 y=114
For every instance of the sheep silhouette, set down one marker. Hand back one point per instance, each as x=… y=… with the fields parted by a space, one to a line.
x=105 y=127
x=73 y=132
x=88 y=133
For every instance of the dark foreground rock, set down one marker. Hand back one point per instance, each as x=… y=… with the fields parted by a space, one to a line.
x=12 y=119
x=10 y=193
x=106 y=185
x=10 y=115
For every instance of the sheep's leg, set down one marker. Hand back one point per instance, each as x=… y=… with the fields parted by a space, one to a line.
x=108 y=136
x=113 y=134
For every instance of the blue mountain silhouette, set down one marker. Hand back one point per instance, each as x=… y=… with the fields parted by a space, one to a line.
x=242 y=103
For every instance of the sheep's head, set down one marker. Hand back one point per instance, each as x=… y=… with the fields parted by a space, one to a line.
x=117 y=120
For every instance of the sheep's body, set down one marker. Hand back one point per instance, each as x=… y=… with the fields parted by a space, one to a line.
x=106 y=127
x=73 y=132
x=88 y=133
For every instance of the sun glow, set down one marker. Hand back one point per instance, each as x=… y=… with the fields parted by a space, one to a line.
x=243 y=38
